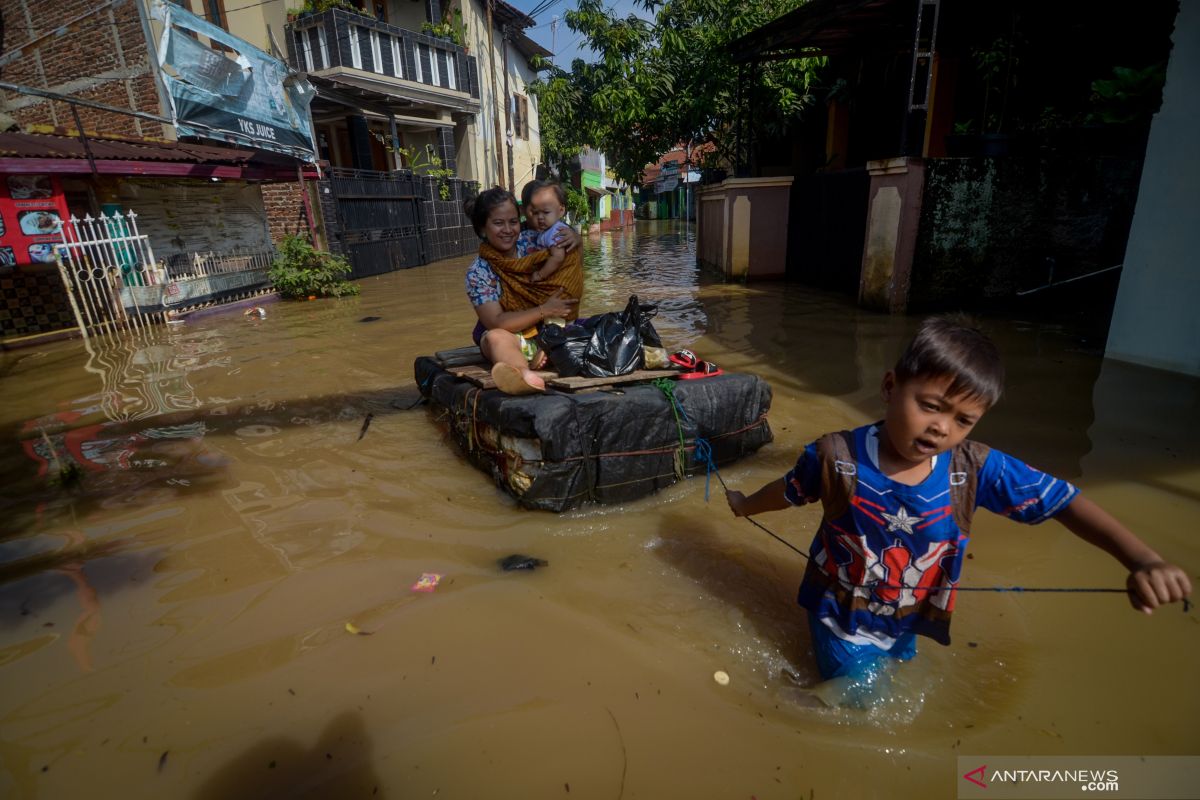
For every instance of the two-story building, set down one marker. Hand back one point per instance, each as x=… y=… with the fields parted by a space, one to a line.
x=226 y=126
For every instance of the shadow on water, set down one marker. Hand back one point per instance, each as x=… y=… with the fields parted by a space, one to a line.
x=339 y=764
x=124 y=461
x=760 y=585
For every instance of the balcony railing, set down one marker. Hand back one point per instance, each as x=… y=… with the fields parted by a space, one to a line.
x=338 y=38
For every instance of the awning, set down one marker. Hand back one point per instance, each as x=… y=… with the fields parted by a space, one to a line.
x=376 y=93
x=47 y=153
x=830 y=27
x=594 y=192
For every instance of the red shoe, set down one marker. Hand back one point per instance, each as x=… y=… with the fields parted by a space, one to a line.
x=684 y=358
x=705 y=369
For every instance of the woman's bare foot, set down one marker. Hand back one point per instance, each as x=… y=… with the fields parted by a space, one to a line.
x=511 y=380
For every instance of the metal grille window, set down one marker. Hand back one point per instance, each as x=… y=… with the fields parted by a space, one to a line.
x=520 y=116
x=355 y=52
x=306 y=47
x=376 y=53
x=396 y=59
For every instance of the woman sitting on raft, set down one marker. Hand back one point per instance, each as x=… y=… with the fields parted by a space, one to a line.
x=505 y=335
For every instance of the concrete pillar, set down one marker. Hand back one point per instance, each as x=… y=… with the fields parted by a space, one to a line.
x=893 y=213
x=743 y=227
x=446 y=149
x=1155 y=321
x=360 y=142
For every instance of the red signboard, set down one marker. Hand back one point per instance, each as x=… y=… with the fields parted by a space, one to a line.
x=32 y=213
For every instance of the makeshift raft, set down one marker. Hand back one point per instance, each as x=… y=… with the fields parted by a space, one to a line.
x=603 y=440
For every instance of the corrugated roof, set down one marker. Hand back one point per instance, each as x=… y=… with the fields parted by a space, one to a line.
x=39 y=145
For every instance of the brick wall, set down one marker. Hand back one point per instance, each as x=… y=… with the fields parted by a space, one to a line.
x=103 y=57
x=285 y=210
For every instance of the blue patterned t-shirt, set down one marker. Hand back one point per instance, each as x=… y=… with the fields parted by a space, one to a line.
x=889 y=564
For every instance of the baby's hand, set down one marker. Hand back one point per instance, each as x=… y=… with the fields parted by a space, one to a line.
x=1155 y=584
x=737 y=502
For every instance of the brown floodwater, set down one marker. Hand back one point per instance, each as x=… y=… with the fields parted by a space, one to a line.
x=173 y=624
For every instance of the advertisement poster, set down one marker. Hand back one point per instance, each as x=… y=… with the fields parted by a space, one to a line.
x=239 y=94
x=32 y=212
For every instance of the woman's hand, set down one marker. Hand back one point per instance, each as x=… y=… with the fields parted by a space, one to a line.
x=557 y=305
x=568 y=239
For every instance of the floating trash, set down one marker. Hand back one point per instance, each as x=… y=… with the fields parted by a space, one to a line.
x=517 y=561
x=427 y=583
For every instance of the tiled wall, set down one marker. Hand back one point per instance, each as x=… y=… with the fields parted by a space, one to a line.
x=32 y=302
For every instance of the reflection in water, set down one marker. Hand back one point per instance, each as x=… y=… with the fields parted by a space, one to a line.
x=230 y=522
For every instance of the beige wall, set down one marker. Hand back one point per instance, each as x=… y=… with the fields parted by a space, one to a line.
x=1155 y=321
x=477 y=143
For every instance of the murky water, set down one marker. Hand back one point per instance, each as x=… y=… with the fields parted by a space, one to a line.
x=174 y=624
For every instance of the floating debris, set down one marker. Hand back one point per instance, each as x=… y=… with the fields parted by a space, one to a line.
x=370 y=319
x=366 y=424
x=427 y=582
x=354 y=629
x=721 y=677
x=517 y=561
x=162 y=760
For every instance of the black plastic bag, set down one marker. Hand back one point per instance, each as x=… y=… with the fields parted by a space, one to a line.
x=602 y=346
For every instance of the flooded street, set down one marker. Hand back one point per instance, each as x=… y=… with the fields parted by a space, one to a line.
x=173 y=623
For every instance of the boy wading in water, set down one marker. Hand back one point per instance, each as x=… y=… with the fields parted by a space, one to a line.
x=898 y=497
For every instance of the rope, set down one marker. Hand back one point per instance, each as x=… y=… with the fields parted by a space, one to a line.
x=704 y=453
x=667 y=387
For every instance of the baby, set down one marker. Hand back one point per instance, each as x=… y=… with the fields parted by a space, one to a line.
x=544 y=212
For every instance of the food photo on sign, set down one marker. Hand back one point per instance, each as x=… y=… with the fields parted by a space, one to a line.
x=32 y=212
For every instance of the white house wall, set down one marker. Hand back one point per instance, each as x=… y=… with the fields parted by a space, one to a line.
x=477 y=143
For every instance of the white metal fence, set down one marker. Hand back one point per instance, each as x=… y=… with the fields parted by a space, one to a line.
x=100 y=260
x=114 y=282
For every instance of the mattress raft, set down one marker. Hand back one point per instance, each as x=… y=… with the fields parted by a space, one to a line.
x=602 y=440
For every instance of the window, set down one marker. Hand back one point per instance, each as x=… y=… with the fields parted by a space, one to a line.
x=520 y=116
x=214 y=12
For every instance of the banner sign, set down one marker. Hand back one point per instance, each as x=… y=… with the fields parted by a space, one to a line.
x=236 y=94
x=32 y=212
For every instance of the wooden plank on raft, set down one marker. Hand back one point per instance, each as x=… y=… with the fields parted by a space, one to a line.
x=459 y=356
x=482 y=376
x=578 y=384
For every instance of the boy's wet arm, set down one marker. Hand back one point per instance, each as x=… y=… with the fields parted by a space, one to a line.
x=771 y=497
x=1152 y=581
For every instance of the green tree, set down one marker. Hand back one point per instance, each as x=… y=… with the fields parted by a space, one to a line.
x=666 y=79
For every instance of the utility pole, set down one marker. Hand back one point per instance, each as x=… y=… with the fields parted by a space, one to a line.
x=553 y=40
x=491 y=4
x=508 y=101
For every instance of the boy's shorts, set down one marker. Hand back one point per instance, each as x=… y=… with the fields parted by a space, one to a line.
x=837 y=658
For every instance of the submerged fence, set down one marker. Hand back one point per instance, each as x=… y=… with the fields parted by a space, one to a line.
x=114 y=283
x=101 y=260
